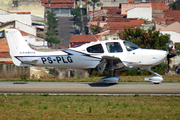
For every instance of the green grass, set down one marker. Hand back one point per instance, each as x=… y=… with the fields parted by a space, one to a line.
x=167 y=78
x=100 y=107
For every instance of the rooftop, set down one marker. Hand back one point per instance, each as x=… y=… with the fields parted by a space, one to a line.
x=159 y=6
x=112 y=10
x=172 y=14
x=84 y=38
x=4 y=49
x=58 y=3
x=172 y=27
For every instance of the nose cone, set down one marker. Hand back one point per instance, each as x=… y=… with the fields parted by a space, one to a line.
x=154 y=57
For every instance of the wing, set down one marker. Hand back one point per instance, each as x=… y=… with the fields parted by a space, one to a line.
x=110 y=63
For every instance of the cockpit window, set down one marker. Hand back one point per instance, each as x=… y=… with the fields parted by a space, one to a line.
x=130 y=46
x=113 y=47
x=95 y=49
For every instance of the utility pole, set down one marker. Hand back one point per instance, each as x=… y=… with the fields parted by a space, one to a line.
x=81 y=6
x=44 y=26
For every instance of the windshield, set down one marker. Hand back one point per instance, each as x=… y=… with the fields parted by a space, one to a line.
x=130 y=46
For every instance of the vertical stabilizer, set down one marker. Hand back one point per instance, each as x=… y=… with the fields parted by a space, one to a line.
x=17 y=45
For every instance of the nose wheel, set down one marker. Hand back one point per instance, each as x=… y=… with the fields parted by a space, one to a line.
x=155 y=79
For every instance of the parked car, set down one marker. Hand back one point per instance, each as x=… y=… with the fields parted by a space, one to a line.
x=77 y=32
x=57 y=18
x=56 y=31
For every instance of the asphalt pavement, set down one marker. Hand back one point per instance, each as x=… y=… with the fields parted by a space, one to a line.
x=89 y=88
x=65 y=29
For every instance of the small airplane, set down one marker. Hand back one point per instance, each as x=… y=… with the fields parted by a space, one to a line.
x=102 y=55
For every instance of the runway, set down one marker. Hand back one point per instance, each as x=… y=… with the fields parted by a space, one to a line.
x=88 y=88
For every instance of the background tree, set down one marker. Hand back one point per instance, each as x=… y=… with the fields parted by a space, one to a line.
x=77 y=21
x=175 y=5
x=95 y=29
x=77 y=17
x=51 y=21
x=94 y=3
x=76 y=12
x=52 y=24
x=52 y=40
x=150 y=39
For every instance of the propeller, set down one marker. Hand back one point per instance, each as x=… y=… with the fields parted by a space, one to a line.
x=169 y=55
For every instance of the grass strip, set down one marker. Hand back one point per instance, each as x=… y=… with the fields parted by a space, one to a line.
x=55 y=107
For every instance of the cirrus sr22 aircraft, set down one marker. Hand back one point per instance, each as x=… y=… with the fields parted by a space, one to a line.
x=103 y=55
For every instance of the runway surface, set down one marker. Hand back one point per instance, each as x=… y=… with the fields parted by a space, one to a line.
x=89 y=88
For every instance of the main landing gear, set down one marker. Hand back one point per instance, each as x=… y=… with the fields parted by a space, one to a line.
x=111 y=79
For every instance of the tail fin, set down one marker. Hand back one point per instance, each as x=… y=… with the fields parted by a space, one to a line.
x=17 y=45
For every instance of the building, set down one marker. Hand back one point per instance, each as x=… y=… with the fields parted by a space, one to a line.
x=107 y=3
x=127 y=6
x=27 y=31
x=174 y=31
x=60 y=7
x=24 y=17
x=77 y=40
x=32 y=6
x=140 y=13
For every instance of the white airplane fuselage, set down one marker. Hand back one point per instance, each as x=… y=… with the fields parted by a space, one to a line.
x=106 y=54
x=79 y=58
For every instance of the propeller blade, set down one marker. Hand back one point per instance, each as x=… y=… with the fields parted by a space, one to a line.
x=170 y=55
x=168 y=65
x=168 y=48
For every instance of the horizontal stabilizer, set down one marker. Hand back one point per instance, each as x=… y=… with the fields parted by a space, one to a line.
x=33 y=62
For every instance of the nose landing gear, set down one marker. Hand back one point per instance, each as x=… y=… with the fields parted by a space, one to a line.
x=155 y=79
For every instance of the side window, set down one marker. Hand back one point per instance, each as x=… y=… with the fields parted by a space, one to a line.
x=95 y=49
x=114 y=47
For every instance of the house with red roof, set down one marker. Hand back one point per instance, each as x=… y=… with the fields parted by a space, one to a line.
x=5 y=57
x=77 y=40
x=4 y=49
x=112 y=22
x=172 y=14
x=7 y=68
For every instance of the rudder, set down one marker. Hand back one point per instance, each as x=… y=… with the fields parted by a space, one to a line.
x=17 y=45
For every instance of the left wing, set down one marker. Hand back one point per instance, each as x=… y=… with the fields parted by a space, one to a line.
x=110 y=63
